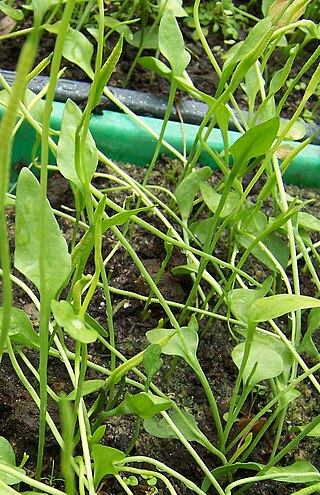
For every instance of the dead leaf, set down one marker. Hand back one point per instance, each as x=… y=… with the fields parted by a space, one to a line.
x=283 y=151
x=6 y=25
x=284 y=13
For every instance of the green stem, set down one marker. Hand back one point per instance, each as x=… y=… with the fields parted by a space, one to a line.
x=6 y=135
x=45 y=300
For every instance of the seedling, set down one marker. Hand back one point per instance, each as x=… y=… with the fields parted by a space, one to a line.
x=216 y=222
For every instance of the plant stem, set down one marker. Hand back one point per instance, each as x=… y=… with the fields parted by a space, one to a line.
x=45 y=300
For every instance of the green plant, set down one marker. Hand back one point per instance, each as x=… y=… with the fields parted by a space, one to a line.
x=272 y=323
x=215 y=16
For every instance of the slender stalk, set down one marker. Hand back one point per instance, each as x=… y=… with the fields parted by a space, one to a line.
x=45 y=300
x=6 y=135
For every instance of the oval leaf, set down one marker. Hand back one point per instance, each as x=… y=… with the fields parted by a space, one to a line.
x=88 y=387
x=27 y=242
x=66 y=317
x=267 y=362
x=274 y=306
x=78 y=50
x=20 y=329
x=171 y=43
x=71 y=118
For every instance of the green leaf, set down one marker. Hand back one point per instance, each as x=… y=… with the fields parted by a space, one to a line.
x=148 y=38
x=156 y=66
x=7 y=456
x=274 y=306
x=251 y=85
x=15 y=14
x=171 y=43
x=117 y=26
x=78 y=50
x=107 y=69
x=97 y=435
x=202 y=230
x=144 y=405
x=212 y=199
x=40 y=7
x=277 y=247
x=121 y=218
x=27 y=242
x=186 y=424
x=266 y=4
x=187 y=189
x=156 y=334
x=255 y=142
x=243 y=49
x=37 y=109
x=313 y=433
x=152 y=360
x=265 y=361
x=65 y=316
x=284 y=12
x=20 y=329
x=88 y=387
x=185 y=269
x=241 y=300
x=307 y=344
x=175 y=6
x=222 y=470
x=185 y=347
x=104 y=458
x=30 y=493
x=308 y=221
x=71 y=119
x=296 y=132
x=303 y=472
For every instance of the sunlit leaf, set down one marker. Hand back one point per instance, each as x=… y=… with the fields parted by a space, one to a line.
x=284 y=12
x=175 y=6
x=148 y=38
x=104 y=458
x=298 y=472
x=241 y=300
x=308 y=221
x=212 y=199
x=71 y=118
x=145 y=405
x=11 y=12
x=274 y=306
x=66 y=317
x=171 y=43
x=78 y=50
x=107 y=70
x=266 y=362
x=255 y=142
x=88 y=387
